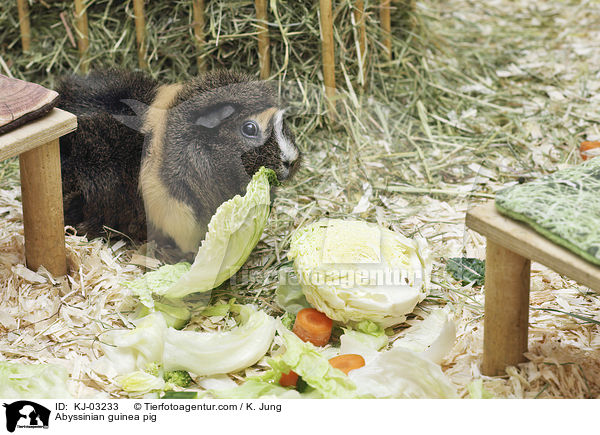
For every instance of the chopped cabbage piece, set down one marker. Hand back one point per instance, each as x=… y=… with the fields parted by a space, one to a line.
x=33 y=381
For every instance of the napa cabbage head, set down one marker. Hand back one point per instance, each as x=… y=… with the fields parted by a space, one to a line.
x=354 y=270
x=233 y=232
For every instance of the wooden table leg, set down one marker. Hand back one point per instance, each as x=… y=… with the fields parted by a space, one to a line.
x=43 y=220
x=507 y=280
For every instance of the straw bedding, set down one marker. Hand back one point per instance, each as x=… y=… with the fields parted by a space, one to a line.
x=476 y=97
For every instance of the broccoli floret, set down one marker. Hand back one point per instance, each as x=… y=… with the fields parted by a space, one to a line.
x=179 y=378
x=155 y=369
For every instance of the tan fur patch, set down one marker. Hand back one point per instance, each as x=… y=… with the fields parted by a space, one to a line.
x=263 y=118
x=171 y=216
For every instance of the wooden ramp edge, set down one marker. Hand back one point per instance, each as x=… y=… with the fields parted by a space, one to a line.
x=525 y=241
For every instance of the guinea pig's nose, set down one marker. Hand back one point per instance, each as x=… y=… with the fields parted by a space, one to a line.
x=290 y=166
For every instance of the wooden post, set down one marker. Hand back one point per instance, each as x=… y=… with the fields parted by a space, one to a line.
x=199 y=23
x=507 y=281
x=43 y=221
x=386 y=27
x=359 y=19
x=263 y=39
x=24 y=24
x=328 y=53
x=83 y=36
x=140 y=32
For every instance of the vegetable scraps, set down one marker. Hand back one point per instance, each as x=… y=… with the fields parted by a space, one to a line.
x=313 y=326
x=467 y=270
x=395 y=373
x=33 y=381
x=589 y=149
x=347 y=362
x=128 y=351
x=354 y=270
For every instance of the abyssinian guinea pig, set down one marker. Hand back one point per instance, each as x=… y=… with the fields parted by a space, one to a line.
x=148 y=157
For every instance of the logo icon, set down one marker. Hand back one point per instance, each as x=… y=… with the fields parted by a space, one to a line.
x=26 y=414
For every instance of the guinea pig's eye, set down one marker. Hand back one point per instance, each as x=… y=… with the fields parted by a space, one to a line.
x=250 y=129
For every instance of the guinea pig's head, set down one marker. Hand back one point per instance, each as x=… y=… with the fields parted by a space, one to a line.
x=211 y=134
x=232 y=124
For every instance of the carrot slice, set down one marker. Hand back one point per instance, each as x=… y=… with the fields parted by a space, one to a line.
x=288 y=379
x=587 y=146
x=313 y=326
x=347 y=362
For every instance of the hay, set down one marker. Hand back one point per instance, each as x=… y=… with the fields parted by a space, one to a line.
x=476 y=95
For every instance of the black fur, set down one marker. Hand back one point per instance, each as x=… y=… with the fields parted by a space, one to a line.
x=101 y=159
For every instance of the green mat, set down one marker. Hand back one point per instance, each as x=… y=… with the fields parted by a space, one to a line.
x=564 y=207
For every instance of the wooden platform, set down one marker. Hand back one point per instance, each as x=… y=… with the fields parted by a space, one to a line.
x=523 y=240
x=511 y=246
x=36 y=144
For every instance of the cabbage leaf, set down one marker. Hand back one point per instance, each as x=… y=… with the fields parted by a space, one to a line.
x=433 y=337
x=233 y=232
x=33 y=381
x=402 y=374
x=202 y=353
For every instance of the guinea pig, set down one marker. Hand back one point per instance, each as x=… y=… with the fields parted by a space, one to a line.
x=150 y=158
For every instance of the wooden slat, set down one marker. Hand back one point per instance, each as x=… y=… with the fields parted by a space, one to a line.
x=264 y=56
x=328 y=53
x=386 y=26
x=359 y=19
x=523 y=240
x=24 y=24
x=20 y=99
x=55 y=124
x=83 y=38
x=140 y=32
x=199 y=23
x=507 y=284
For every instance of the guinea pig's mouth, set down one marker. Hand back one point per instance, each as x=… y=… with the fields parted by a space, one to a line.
x=261 y=156
x=289 y=168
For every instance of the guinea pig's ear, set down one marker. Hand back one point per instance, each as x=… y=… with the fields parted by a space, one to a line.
x=215 y=115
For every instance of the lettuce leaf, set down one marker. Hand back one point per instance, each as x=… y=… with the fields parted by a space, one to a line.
x=140 y=382
x=366 y=345
x=289 y=295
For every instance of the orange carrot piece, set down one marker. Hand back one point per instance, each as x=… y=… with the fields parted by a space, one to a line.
x=587 y=146
x=313 y=326
x=288 y=379
x=347 y=362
